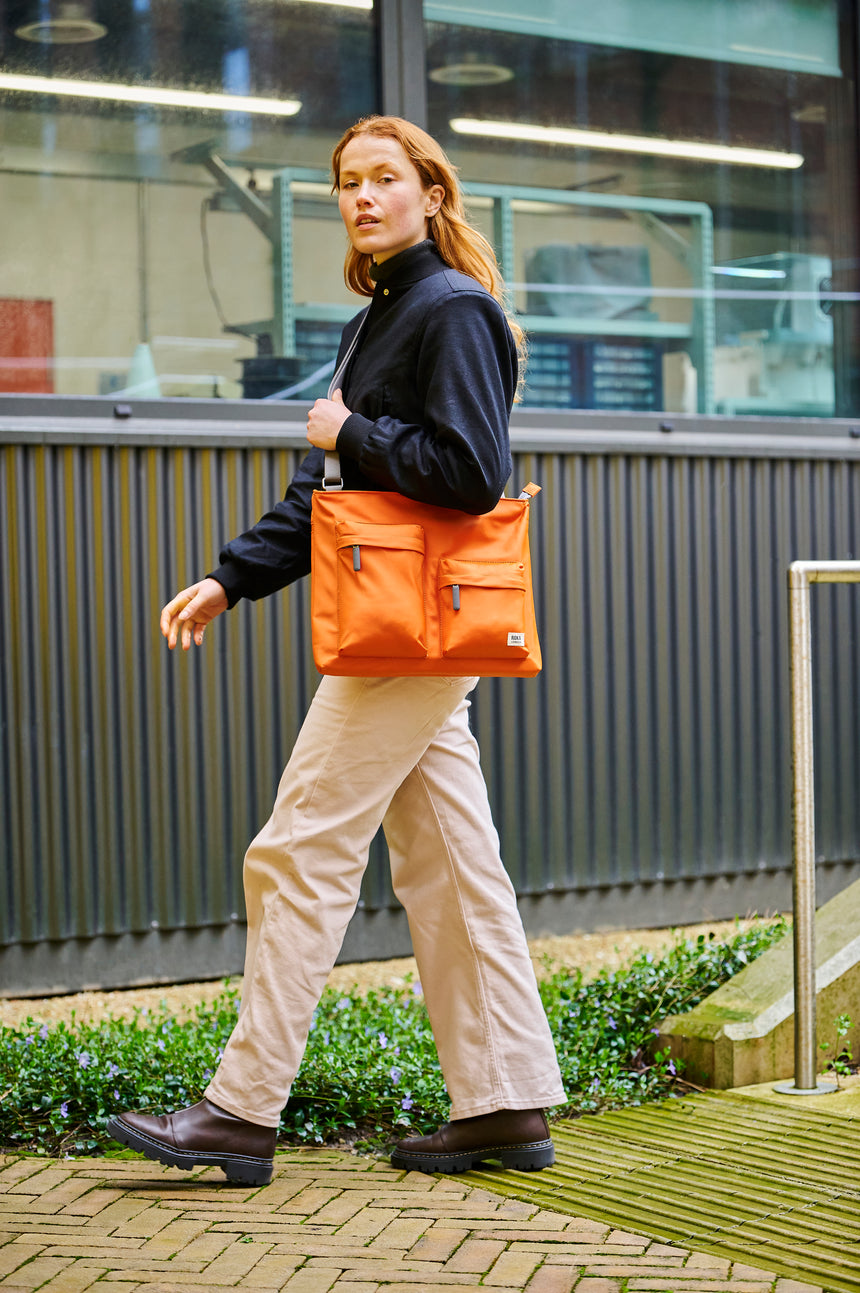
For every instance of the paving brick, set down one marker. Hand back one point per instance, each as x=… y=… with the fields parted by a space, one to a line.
x=93 y=1201
x=553 y=1279
x=47 y=1236
x=475 y=1255
x=665 y=1250
x=14 y=1256
x=310 y=1281
x=74 y=1279
x=310 y=1199
x=149 y=1276
x=705 y=1262
x=331 y=1248
x=170 y=1239
x=589 y=1285
x=369 y=1223
x=145 y=1224
x=236 y=1260
x=341 y=1209
x=624 y=1237
x=356 y=1286
x=409 y=1287
x=37 y=1272
x=511 y=1270
x=271 y=1272
x=39 y=1182
x=657 y=1284
x=369 y=1267
x=792 y=1286
x=589 y=1253
x=400 y=1233
x=20 y=1169
x=437 y=1244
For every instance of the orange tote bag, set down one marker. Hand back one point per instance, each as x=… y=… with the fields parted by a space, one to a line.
x=404 y=588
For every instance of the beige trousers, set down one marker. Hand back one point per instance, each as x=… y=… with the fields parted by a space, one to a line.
x=396 y=751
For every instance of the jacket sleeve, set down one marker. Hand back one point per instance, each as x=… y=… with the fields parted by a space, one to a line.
x=458 y=453
x=277 y=550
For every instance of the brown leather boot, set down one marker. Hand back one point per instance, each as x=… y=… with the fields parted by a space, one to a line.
x=517 y=1138
x=201 y=1135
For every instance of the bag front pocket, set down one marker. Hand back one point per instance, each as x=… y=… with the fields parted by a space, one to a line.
x=380 y=590
x=482 y=609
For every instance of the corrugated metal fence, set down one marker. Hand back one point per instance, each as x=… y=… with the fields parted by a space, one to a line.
x=650 y=756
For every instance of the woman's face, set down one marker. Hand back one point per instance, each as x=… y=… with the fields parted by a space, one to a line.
x=381 y=198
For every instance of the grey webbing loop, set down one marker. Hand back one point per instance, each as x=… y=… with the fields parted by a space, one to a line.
x=332 y=479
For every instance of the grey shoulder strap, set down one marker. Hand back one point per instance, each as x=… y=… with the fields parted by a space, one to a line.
x=332 y=478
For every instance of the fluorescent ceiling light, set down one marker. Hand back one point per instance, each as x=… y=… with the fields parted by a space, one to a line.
x=738 y=271
x=149 y=94
x=680 y=148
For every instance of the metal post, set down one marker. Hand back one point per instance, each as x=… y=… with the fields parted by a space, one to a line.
x=801 y=574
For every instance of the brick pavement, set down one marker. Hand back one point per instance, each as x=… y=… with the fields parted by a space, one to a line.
x=328 y=1221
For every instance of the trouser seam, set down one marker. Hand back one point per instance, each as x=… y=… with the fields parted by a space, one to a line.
x=476 y=961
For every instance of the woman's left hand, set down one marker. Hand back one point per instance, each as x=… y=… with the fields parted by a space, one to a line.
x=325 y=420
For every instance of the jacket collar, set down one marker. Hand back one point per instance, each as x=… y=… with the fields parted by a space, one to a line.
x=408 y=267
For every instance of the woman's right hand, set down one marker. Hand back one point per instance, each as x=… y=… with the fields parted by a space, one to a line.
x=184 y=619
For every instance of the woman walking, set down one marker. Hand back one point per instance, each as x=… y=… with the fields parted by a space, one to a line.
x=421 y=407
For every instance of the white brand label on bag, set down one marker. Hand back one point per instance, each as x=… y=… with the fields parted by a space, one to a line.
x=516 y=639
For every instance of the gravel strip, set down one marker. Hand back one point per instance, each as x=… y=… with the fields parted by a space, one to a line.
x=590 y=952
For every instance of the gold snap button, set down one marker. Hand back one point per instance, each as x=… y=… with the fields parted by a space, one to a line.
x=385 y=291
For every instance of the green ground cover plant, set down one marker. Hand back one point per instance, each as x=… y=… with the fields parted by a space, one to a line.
x=370 y=1072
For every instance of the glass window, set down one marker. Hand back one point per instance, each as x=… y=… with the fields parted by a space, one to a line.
x=141 y=143
x=671 y=187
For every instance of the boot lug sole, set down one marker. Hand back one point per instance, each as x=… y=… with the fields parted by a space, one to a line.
x=238 y=1169
x=528 y=1158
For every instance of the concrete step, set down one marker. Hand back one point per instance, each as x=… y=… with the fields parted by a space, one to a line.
x=743 y=1033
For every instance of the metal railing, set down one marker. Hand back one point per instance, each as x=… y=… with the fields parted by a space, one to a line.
x=801 y=574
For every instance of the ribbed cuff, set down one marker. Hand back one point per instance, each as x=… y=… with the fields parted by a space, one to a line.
x=353 y=434
x=229 y=579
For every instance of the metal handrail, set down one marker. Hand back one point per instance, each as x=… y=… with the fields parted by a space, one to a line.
x=801 y=574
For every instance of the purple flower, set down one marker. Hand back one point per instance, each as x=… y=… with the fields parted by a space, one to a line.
x=383 y=1040
x=115 y=1094
x=64 y=1110
x=671 y=1067
x=84 y=1059
x=28 y=1041
x=43 y=1032
x=407 y=1102
x=160 y=1044
x=611 y=1022
x=113 y=1069
x=395 y=1075
x=417 y=990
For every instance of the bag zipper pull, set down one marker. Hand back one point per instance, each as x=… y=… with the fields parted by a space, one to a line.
x=356 y=557
x=455 y=596
x=529 y=490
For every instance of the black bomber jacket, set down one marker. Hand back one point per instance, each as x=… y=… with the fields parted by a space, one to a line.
x=430 y=388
